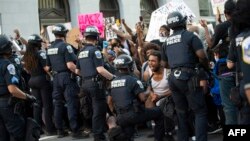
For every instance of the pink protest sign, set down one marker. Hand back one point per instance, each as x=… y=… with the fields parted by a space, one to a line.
x=95 y=19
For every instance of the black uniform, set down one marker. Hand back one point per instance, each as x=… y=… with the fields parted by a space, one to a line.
x=179 y=51
x=89 y=59
x=124 y=92
x=64 y=87
x=42 y=90
x=24 y=76
x=239 y=54
x=9 y=121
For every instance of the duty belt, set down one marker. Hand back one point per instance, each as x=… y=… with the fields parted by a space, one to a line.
x=177 y=71
x=124 y=110
x=186 y=69
x=88 y=78
x=5 y=96
x=56 y=72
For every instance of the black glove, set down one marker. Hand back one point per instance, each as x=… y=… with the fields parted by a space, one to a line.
x=30 y=98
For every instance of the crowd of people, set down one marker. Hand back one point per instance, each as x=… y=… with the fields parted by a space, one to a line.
x=188 y=82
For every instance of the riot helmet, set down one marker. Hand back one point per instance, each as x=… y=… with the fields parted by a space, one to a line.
x=91 y=31
x=124 y=61
x=59 y=30
x=5 y=45
x=35 y=40
x=176 y=20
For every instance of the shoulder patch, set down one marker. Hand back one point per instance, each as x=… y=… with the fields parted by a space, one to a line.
x=69 y=48
x=98 y=54
x=140 y=84
x=11 y=69
x=17 y=60
x=43 y=55
x=246 y=50
x=14 y=80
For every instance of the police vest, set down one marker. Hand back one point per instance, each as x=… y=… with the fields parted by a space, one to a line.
x=178 y=50
x=86 y=61
x=56 y=56
x=121 y=92
x=243 y=46
x=3 y=87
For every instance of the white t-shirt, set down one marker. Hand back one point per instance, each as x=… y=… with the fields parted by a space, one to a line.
x=162 y=86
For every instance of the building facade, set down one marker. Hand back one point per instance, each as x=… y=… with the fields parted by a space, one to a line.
x=29 y=16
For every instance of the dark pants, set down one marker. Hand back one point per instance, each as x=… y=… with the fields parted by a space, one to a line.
x=186 y=98
x=65 y=89
x=244 y=113
x=10 y=123
x=230 y=110
x=128 y=120
x=99 y=107
x=42 y=90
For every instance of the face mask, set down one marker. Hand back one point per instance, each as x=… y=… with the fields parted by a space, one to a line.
x=163 y=34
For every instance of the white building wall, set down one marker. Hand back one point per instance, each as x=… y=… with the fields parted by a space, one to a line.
x=20 y=14
x=194 y=6
x=74 y=11
x=162 y=2
x=130 y=11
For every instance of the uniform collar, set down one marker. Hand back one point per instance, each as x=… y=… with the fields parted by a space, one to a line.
x=87 y=44
x=59 y=40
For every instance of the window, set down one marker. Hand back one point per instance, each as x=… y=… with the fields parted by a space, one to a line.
x=53 y=11
x=147 y=7
x=109 y=8
x=205 y=8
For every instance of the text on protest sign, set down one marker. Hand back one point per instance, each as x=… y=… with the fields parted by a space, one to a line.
x=159 y=17
x=110 y=34
x=94 y=19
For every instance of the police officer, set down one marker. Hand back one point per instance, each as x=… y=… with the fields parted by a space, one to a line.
x=12 y=122
x=239 y=54
x=35 y=64
x=182 y=52
x=61 y=60
x=127 y=96
x=90 y=66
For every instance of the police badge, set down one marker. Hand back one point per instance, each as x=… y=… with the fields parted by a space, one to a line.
x=98 y=54
x=70 y=50
x=246 y=50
